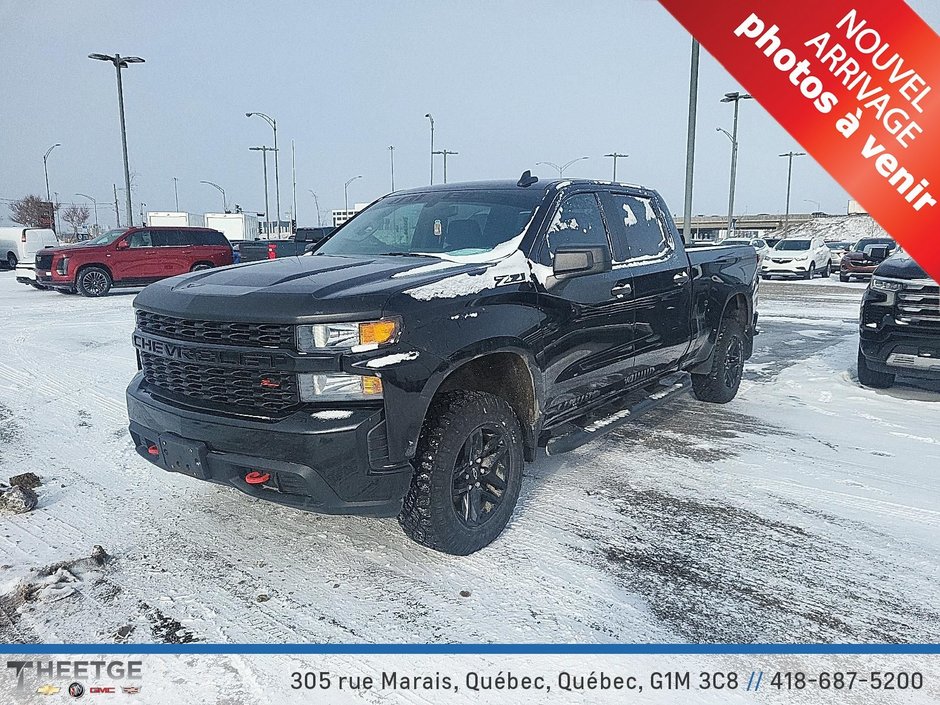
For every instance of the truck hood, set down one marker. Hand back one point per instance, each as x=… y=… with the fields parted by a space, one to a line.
x=901 y=266
x=295 y=289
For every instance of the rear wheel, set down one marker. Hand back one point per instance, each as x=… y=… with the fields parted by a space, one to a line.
x=93 y=281
x=468 y=473
x=11 y=261
x=872 y=378
x=721 y=384
x=200 y=266
x=826 y=271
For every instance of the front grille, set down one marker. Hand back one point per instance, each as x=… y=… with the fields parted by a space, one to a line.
x=234 y=389
x=919 y=304
x=259 y=335
x=44 y=261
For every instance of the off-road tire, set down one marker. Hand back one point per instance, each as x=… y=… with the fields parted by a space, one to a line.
x=429 y=515
x=93 y=281
x=868 y=377
x=720 y=384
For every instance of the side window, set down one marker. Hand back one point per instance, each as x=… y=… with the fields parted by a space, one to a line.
x=577 y=221
x=636 y=228
x=142 y=238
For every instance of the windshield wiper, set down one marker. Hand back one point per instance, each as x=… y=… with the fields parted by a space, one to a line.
x=407 y=254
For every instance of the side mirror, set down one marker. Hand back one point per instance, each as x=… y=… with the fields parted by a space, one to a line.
x=123 y=245
x=878 y=253
x=576 y=261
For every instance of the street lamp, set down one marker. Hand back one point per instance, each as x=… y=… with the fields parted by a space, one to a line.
x=142 y=205
x=264 y=161
x=220 y=190
x=317 y=204
x=95 y=204
x=277 y=181
x=45 y=169
x=176 y=193
x=346 y=193
x=735 y=98
x=444 y=153
x=789 y=155
x=561 y=169
x=818 y=204
x=122 y=62
x=391 y=156
x=615 y=156
x=428 y=116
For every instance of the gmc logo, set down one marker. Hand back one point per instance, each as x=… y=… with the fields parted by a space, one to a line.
x=234 y=358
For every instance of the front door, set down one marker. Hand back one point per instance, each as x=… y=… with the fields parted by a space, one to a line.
x=588 y=336
x=135 y=263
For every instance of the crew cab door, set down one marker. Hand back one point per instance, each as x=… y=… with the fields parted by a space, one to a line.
x=586 y=346
x=644 y=246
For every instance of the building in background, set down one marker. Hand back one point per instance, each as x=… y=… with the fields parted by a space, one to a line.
x=341 y=215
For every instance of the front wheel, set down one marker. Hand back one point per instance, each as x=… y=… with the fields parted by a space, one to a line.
x=812 y=271
x=468 y=473
x=872 y=378
x=93 y=281
x=11 y=261
x=720 y=385
x=844 y=278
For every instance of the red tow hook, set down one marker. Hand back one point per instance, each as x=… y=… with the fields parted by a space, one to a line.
x=153 y=450
x=257 y=478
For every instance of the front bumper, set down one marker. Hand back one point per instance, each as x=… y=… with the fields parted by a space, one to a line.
x=795 y=268
x=898 y=350
x=25 y=273
x=851 y=269
x=316 y=463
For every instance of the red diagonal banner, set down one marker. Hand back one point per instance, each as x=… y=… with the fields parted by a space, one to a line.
x=857 y=84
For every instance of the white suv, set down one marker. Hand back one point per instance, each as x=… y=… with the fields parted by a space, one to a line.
x=797 y=257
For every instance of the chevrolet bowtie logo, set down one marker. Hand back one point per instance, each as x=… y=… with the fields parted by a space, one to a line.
x=47 y=690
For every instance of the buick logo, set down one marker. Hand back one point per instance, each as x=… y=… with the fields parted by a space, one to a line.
x=76 y=689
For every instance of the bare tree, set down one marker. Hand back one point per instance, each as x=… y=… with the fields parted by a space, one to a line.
x=32 y=211
x=76 y=216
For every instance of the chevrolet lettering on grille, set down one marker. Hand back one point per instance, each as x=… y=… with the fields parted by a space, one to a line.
x=188 y=353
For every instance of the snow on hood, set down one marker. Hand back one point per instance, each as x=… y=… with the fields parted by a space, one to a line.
x=511 y=270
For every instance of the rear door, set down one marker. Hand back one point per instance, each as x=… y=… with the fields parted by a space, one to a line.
x=587 y=342
x=176 y=251
x=645 y=247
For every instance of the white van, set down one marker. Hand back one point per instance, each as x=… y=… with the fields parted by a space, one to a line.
x=18 y=248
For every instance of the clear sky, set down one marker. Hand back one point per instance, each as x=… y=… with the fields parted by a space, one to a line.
x=508 y=84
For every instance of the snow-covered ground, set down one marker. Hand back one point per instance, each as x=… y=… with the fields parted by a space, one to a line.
x=808 y=509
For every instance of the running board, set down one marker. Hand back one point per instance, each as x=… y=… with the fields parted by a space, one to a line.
x=599 y=424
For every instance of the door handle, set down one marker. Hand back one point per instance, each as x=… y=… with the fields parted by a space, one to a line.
x=681 y=277
x=622 y=289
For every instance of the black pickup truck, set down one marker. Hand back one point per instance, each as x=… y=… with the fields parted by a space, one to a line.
x=432 y=344
x=899 y=325
x=303 y=241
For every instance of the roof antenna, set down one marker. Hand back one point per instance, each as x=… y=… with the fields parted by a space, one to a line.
x=526 y=179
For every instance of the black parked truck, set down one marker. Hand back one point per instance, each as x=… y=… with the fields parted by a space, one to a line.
x=428 y=348
x=899 y=325
x=303 y=241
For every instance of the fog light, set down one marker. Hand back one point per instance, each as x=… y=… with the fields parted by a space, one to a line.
x=338 y=386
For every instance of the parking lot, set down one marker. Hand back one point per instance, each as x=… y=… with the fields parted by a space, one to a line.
x=805 y=510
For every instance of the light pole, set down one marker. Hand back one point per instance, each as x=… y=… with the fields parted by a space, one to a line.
x=293 y=183
x=690 y=141
x=391 y=157
x=615 y=156
x=220 y=190
x=277 y=182
x=818 y=204
x=444 y=153
x=735 y=98
x=346 y=194
x=142 y=204
x=789 y=155
x=122 y=62
x=561 y=169
x=176 y=193
x=316 y=203
x=95 y=205
x=264 y=162
x=428 y=116
x=45 y=169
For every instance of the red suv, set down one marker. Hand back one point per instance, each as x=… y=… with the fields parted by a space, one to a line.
x=130 y=257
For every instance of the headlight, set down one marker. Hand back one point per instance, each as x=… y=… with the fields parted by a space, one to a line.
x=338 y=386
x=885 y=284
x=63 y=266
x=347 y=336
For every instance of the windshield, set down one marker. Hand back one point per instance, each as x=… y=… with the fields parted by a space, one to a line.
x=792 y=245
x=838 y=245
x=876 y=241
x=107 y=238
x=736 y=242
x=455 y=223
